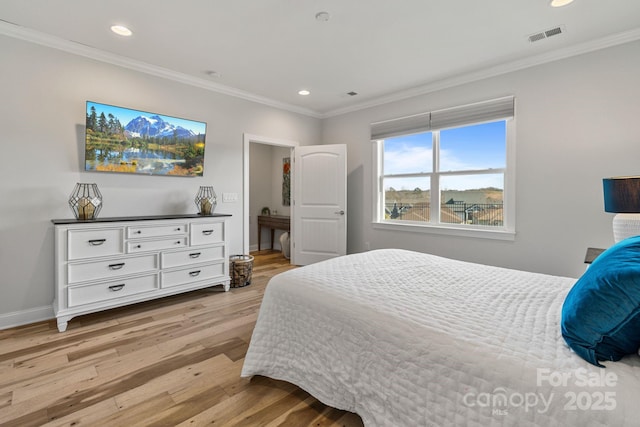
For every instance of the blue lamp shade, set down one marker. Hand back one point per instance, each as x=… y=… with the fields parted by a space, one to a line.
x=622 y=196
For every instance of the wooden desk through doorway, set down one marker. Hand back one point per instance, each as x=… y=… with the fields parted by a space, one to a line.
x=274 y=222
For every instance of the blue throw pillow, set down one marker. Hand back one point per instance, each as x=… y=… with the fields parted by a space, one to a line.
x=601 y=314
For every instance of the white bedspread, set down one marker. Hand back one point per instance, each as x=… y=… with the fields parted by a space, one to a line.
x=409 y=339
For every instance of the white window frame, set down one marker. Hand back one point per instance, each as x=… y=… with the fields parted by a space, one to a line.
x=506 y=232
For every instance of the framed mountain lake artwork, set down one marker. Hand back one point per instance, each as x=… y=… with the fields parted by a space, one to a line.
x=123 y=140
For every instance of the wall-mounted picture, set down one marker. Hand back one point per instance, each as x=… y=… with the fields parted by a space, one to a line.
x=119 y=139
x=286 y=181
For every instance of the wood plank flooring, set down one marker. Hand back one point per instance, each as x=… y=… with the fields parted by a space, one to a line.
x=169 y=362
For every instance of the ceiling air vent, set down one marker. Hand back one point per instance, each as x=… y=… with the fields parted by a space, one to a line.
x=547 y=33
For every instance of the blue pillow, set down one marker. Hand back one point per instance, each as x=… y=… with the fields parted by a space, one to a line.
x=601 y=314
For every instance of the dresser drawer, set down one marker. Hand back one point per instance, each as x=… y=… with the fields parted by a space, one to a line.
x=177 y=229
x=207 y=233
x=95 y=243
x=193 y=274
x=135 y=246
x=85 y=271
x=87 y=294
x=192 y=256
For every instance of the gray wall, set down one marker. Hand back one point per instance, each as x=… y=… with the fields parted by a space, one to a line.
x=265 y=183
x=577 y=122
x=42 y=117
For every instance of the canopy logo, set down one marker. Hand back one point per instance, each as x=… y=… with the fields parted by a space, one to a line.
x=500 y=402
x=583 y=390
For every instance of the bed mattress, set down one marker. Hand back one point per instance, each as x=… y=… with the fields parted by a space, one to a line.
x=409 y=339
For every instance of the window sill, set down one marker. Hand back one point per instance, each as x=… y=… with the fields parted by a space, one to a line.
x=480 y=233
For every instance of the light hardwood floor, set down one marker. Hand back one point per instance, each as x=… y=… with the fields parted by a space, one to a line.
x=168 y=362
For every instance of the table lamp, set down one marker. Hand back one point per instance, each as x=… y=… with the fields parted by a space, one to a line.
x=622 y=197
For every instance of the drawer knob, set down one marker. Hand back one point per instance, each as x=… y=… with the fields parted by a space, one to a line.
x=179 y=242
x=116 y=288
x=194 y=273
x=207 y=232
x=138 y=232
x=138 y=246
x=195 y=255
x=178 y=229
x=97 y=242
x=116 y=266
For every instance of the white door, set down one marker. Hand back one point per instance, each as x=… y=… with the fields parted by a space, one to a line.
x=319 y=226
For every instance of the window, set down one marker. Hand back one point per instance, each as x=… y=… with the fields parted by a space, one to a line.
x=458 y=159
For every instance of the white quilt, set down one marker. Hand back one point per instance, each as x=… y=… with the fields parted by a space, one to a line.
x=409 y=339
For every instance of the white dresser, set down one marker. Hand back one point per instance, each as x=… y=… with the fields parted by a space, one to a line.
x=110 y=262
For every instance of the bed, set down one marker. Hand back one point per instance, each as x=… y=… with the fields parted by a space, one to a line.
x=409 y=339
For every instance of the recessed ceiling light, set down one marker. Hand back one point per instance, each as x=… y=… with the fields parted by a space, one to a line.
x=560 y=3
x=322 y=16
x=121 y=30
x=303 y=92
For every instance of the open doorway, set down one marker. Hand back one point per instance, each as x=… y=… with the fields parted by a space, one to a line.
x=264 y=159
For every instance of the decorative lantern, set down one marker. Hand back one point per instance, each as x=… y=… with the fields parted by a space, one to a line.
x=85 y=201
x=206 y=200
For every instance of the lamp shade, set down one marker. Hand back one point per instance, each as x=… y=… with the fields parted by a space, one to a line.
x=622 y=194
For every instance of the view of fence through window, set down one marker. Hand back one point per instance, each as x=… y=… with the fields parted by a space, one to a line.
x=456 y=212
x=473 y=207
x=472 y=162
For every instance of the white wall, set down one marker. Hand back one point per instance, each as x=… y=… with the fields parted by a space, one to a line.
x=277 y=154
x=42 y=116
x=577 y=122
x=266 y=190
x=260 y=184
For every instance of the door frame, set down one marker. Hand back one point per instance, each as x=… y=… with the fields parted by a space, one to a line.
x=247 y=139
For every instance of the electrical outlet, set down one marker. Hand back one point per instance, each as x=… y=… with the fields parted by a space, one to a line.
x=229 y=197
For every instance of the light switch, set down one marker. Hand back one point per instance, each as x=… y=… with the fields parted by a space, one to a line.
x=229 y=197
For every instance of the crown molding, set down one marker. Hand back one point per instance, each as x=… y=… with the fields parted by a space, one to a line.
x=26 y=34
x=19 y=32
x=484 y=73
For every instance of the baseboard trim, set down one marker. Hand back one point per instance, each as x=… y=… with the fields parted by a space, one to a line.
x=276 y=247
x=25 y=317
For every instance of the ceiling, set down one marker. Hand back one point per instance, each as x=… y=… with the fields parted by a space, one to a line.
x=267 y=50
